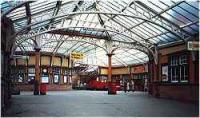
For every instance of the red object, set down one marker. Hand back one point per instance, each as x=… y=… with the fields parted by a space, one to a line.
x=93 y=84
x=98 y=85
x=43 y=89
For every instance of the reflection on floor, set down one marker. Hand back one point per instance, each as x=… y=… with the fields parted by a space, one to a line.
x=97 y=103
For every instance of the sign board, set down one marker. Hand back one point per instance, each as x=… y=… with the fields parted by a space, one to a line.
x=56 y=78
x=139 y=69
x=65 y=79
x=164 y=73
x=45 y=79
x=76 y=55
x=193 y=45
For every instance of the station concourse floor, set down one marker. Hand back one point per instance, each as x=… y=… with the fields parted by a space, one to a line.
x=82 y=103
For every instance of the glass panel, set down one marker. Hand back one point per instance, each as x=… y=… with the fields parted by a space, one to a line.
x=188 y=16
x=185 y=13
x=191 y=6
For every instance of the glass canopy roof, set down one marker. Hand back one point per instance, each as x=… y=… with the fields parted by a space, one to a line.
x=91 y=26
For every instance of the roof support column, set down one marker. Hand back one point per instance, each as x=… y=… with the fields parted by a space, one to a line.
x=111 y=85
x=37 y=71
x=110 y=67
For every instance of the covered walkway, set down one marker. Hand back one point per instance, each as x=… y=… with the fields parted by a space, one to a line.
x=110 y=45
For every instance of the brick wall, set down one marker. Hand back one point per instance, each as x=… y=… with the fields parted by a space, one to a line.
x=182 y=92
x=25 y=87
x=179 y=92
x=50 y=87
x=55 y=87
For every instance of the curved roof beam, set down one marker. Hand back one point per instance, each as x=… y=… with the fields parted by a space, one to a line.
x=100 y=29
x=130 y=43
x=105 y=13
x=91 y=43
x=88 y=42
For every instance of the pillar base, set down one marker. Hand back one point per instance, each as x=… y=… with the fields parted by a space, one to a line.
x=36 y=93
x=112 y=93
x=42 y=93
x=36 y=88
x=112 y=89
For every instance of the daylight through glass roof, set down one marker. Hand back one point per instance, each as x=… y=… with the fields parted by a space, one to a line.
x=132 y=28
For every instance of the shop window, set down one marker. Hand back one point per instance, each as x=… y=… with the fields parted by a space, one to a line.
x=45 y=76
x=20 y=79
x=69 y=80
x=56 y=78
x=21 y=75
x=65 y=79
x=103 y=78
x=67 y=72
x=178 y=69
x=31 y=75
x=116 y=77
x=14 y=74
x=56 y=75
x=140 y=76
x=125 y=77
x=183 y=69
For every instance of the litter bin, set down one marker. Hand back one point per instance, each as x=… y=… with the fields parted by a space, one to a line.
x=112 y=89
x=43 y=89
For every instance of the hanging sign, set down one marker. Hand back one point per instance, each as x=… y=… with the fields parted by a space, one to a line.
x=139 y=69
x=76 y=55
x=193 y=45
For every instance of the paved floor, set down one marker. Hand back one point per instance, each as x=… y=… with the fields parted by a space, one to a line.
x=97 y=103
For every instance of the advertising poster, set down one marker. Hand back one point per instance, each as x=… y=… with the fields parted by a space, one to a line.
x=164 y=73
x=56 y=78
x=45 y=79
x=65 y=79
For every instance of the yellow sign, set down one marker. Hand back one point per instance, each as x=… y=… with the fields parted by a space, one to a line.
x=76 y=55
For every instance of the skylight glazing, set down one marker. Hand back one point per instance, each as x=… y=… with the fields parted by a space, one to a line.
x=86 y=26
